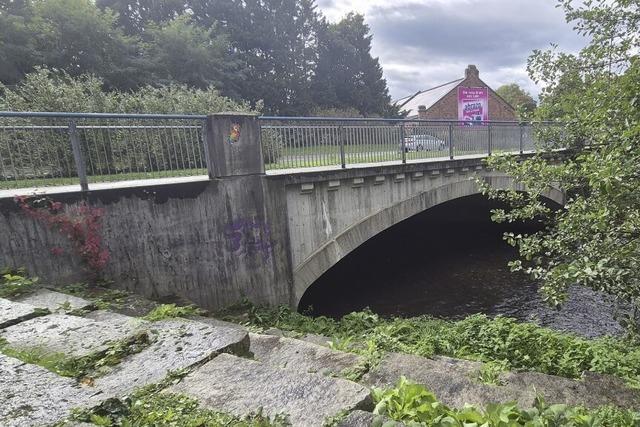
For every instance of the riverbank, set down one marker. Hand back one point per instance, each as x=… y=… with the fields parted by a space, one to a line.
x=100 y=357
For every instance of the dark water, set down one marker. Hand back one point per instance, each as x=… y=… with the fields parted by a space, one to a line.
x=450 y=262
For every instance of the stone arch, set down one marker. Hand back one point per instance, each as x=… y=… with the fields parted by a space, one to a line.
x=342 y=244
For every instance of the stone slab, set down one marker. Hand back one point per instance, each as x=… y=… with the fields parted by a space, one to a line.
x=54 y=301
x=454 y=382
x=300 y=356
x=34 y=396
x=216 y=322
x=241 y=386
x=118 y=319
x=12 y=312
x=177 y=344
x=72 y=336
x=317 y=339
x=367 y=419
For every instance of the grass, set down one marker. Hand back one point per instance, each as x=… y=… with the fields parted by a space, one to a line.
x=171 y=311
x=101 y=298
x=500 y=341
x=292 y=157
x=129 y=176
x=150 y=406
x=82 y=368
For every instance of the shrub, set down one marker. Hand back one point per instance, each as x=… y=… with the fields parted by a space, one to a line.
x=416 y=406
x=272 y=146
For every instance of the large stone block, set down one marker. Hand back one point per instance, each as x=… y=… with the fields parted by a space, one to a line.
x=455 y=383
x=241 y=386
x=300 y=356
x=12 y=312
x=177 y=344
x=72 y=336
x=34 y=396
x=54 y=301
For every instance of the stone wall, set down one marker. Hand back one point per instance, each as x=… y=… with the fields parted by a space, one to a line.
x=213 y=242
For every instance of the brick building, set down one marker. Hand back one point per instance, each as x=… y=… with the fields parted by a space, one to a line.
x=441 y=102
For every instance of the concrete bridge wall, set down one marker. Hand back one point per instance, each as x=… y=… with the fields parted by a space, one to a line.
x=241 y=233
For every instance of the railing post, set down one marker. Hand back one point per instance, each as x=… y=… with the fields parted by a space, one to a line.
x=207 y=154
x=521 y=127
x=451 y=140
x=489 y=139
x=78 y=158
x=234 y=145
x=343 y=160
x=403 y=143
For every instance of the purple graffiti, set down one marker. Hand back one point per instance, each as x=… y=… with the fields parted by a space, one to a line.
x=250 y=237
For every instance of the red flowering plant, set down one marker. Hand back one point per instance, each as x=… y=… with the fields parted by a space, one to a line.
x=80 y=224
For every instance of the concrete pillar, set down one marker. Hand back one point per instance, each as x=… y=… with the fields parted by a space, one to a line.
x=233 y=145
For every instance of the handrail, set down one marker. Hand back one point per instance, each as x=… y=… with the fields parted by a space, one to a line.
x=394 y=120
x=102 y=115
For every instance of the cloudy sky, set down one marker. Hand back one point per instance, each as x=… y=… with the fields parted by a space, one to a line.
x=423 y=43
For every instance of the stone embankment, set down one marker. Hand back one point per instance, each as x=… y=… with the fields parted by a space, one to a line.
x=231 y=370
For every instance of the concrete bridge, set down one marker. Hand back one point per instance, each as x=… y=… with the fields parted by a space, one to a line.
x=241 y=232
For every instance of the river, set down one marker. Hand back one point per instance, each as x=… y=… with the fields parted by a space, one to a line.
x=450 y=262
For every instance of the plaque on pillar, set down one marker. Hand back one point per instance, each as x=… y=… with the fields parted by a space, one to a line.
x=233 y=145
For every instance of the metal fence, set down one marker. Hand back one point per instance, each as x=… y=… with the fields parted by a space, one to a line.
x=45 y=149
x=294 y=142
x=52 y=149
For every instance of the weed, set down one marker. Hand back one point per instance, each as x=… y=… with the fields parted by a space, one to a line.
x=101 y=298
x=86 y=367
x=414 y=405
x=81 y=225
x=149 y=407
x=16 y=283
x=519 y=346
x=490 y=372
x=170 y=311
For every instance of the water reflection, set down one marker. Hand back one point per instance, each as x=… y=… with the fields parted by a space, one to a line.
x=449 y=262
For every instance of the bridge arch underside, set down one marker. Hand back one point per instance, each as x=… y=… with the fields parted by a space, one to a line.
x=352 y=237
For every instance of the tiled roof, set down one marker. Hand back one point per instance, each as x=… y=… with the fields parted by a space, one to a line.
x=426 y=97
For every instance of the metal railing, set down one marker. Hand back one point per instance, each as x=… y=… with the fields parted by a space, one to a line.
x=303 y=142
x=51 y=149
x=40 y=149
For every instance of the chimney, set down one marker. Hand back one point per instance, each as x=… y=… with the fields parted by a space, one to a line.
x=471 y=71
x=422 y=112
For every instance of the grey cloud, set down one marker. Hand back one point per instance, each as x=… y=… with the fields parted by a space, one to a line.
x=423 y=44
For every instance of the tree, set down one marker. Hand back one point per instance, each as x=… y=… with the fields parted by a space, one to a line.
x=594 y=240
x=520 y=99
x=347 y=75
x=276 y=41
x=75 y=36
x=180 y=51
x=134 y=16
x=18 y=53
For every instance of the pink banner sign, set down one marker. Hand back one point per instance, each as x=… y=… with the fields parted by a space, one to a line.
x=473 y=105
